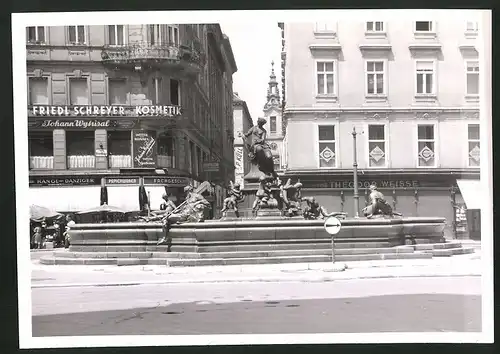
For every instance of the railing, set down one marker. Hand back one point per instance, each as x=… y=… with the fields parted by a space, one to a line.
x=120 y=161
x=145 y=51
x=41 y=162
x=81 y=161
x=165 y=161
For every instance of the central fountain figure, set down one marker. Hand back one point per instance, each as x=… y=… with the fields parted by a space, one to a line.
x=259 y=151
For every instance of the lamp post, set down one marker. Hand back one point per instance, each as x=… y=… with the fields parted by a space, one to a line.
x=355 y=170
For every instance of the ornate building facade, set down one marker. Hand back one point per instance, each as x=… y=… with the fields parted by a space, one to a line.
x=242 y=123
x=411 y=91
x=273 y=115
x=127 y=105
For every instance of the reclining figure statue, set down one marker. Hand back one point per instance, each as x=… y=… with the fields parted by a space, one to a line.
x=315 y=211
x=378 y=205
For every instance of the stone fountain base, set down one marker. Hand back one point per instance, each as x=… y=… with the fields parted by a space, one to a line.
x=268 y=240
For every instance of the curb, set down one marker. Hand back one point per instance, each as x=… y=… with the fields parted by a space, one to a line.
x=252 y=280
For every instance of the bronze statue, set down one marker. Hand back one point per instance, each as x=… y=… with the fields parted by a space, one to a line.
x=235 y=197
x=315 y=211
x=264 y=197
x=291 y=196
x=191 y=210
x=378 y=205
x=259 y=150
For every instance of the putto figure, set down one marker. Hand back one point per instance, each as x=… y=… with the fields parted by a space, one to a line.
x=315 y=211
x=235 y=197
x=291 y=196
x=264 y=197
x=378 y=205
x=259 y=150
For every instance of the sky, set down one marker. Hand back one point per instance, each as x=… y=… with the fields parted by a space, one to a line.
x=254 y=48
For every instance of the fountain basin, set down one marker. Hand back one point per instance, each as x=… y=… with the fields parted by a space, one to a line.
x=253 y=242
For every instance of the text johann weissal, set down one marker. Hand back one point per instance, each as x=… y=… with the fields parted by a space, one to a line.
x=92 y=111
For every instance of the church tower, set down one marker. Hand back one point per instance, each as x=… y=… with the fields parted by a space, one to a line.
x=273 y=115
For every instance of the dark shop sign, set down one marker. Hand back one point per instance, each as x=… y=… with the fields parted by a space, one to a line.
x=113 y=181
x=63 y=181
x=81 y=123
x=167 y=181
x=104 y=111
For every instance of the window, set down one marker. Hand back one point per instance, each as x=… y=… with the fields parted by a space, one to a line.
x=41 y=150
x=375 y=26
x=157 y=87
x=78 y=92
x=375 y=80
x=35 y=34
x=76 y=35
x=80 y=148
x=325 y=27
x=474 y=156
x=38 y=91
x=377 y=145
x=426 y=146
x=424 y=26
x=175 y=92
x=120 y=149
x=472 y=78
x=118 y=92
x=327 y=146
x=272 y=124
x=471 y=27
x=116 y=34
x=425 y=78
x=325 y=77
x=173 y=35
x=156 y=34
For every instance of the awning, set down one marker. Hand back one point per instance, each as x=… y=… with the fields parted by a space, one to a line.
x=471 y=192
x=155 y=196
x=65 y=199
x=124 y=197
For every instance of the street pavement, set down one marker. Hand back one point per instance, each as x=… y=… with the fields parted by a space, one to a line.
x=430 y=304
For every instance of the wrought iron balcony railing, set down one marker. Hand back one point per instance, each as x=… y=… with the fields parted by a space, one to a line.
x=138 y=53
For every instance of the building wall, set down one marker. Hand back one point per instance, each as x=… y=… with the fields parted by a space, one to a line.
x=242 y=122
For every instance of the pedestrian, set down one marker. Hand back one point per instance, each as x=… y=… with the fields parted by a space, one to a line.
x=37 y=237
x=69 y=222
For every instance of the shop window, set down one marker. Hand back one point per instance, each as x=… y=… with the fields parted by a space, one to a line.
x=80 y=148
x=117 y=92
x=327 y=146
x=119 y=149
x=377 y=145
x=166 y=151
x=78 y=91
x=41 y=150
x=38 y=91
x=426 y=145
x=474 y=155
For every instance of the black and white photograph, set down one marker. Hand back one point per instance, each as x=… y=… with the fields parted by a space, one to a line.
x=253 y=177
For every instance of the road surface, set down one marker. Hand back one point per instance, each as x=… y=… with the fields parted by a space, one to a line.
x=371 y=305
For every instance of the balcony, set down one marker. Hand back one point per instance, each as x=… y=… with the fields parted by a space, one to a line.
x=186 y=57
x=120 y=161
x=41 y=162
x=81 y=161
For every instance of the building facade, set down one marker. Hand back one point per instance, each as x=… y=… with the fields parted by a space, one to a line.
x=242 y=123
x=273 y=115
x=120 y=106
x=411 y=92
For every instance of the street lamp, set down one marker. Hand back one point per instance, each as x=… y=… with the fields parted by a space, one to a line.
x=355 y=170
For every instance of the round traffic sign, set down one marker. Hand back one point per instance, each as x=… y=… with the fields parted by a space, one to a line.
x=332 y=225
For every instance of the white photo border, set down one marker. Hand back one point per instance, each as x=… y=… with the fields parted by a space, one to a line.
x=20 y=21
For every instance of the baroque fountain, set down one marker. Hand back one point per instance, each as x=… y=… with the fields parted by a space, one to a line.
x=280 y=230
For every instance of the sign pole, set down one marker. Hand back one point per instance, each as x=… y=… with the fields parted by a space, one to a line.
x=332 y=226
x=355 y=172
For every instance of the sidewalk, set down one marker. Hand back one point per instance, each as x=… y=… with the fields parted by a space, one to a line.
x=75 y=276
